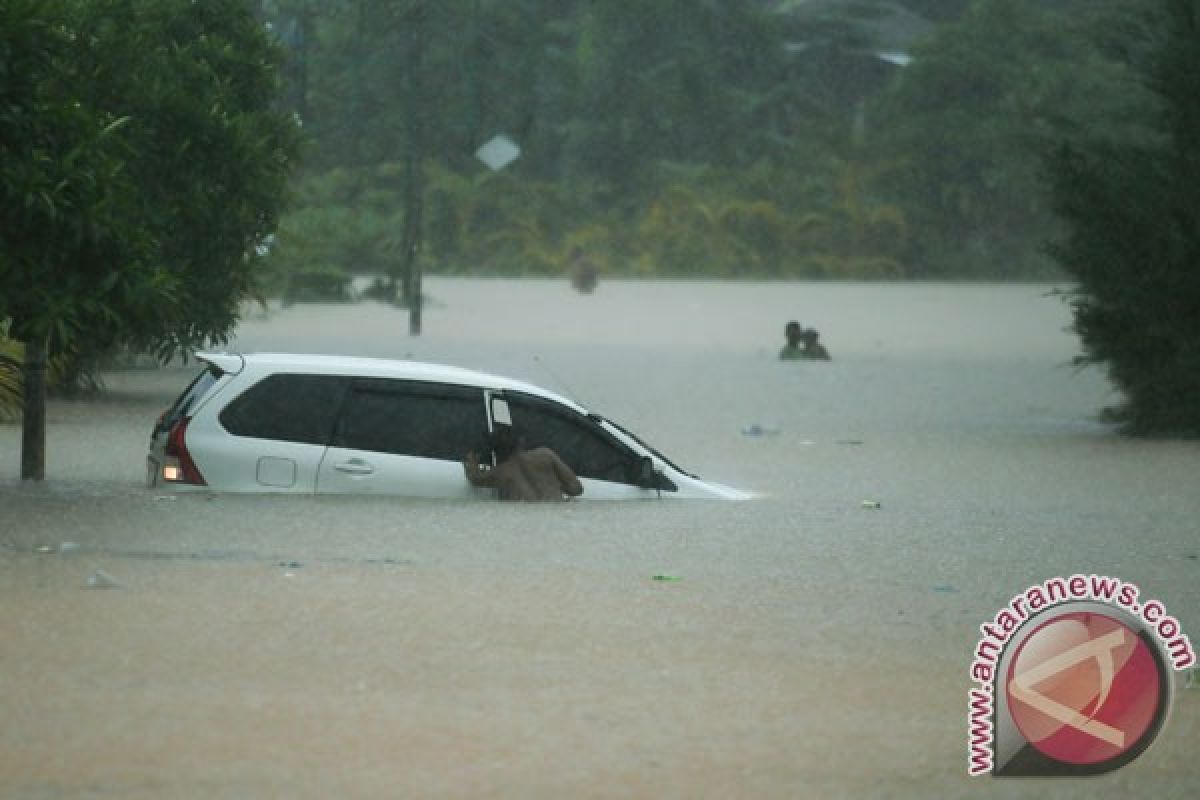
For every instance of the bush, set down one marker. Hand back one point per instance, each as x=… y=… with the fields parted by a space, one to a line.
x=1133 y=241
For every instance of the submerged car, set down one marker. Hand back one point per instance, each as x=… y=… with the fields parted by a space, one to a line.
x=272 y=422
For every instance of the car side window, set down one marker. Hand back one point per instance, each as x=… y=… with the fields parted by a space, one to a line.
x=412 y=418
x=288 y=407
x=579 y=441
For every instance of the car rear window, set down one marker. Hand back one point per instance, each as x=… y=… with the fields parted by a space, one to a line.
x=428 y=420
x=287 y=407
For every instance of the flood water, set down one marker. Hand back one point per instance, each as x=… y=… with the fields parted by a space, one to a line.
x=808 y=646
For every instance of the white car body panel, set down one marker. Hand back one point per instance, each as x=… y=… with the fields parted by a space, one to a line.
x=242 y=464
x=346 y=471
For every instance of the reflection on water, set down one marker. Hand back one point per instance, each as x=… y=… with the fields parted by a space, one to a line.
x=524 y=637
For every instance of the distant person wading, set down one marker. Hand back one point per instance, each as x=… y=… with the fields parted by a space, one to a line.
x=793 y=332
x=813 y=349
x=537 y=475
x=802 y=344
x=583 y=271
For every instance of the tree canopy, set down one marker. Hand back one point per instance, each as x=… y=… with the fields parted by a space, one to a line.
x=142 y=163
x=67 y=253
x=1132 y=239
x=867 y=139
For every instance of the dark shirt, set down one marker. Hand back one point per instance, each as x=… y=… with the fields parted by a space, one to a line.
x=817 y=352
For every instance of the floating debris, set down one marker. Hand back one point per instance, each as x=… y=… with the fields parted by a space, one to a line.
x=50 y=549
x=872 y=504
x=945 y=589
x=758 y=429
x=665 y=578
x=849 y=441
x=102 y=580
x=390 y=562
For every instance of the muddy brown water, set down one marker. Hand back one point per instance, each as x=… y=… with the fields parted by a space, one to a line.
x=265 y=646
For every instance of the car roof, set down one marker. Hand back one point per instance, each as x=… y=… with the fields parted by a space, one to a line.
x=376 y=368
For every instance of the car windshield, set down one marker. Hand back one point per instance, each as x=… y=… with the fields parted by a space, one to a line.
x=642 y=442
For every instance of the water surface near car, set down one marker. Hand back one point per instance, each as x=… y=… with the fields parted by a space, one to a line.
x=319 y=646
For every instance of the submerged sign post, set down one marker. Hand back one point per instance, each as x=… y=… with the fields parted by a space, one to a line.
x=1074 y=677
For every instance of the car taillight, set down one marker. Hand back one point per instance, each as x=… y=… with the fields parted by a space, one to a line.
x=179 y=467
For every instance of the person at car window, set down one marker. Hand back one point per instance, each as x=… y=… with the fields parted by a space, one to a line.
x=537 y=475
x=794 y=334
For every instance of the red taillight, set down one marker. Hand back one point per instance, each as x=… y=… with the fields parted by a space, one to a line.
x=184 y=470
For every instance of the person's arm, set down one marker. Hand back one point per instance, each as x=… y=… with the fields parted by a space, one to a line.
x=477 y=475
x=567 y=479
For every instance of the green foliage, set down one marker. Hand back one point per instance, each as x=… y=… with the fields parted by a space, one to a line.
x=209 y=155
x=1132 y=239
x=69 y=257
x=141 y=165
x=701 y=221
x=968 y=121
x=350 y=223
x=67 y=374
x=672 y=80
x=799 y=150
x=10 y=379
x=937 y=9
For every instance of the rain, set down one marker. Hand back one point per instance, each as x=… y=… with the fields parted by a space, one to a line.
x=814 y=640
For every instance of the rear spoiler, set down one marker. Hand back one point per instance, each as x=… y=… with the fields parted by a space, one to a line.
x=229 y=363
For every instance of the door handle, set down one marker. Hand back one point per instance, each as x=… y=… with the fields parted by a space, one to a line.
x=354 y=466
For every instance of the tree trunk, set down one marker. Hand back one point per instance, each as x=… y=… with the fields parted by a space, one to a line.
x=33 y=423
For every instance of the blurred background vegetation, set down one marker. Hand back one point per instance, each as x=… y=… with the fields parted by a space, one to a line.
x=773 y=139
x=149 y=145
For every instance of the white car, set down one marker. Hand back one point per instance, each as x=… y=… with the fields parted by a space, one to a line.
x=272 y=422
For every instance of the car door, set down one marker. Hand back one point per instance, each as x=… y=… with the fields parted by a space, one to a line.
x=406 y=438
x=607 y=468
x=271 y=437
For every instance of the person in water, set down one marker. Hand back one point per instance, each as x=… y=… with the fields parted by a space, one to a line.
x=583 y=271
x=813 y=349
x=794 y=335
